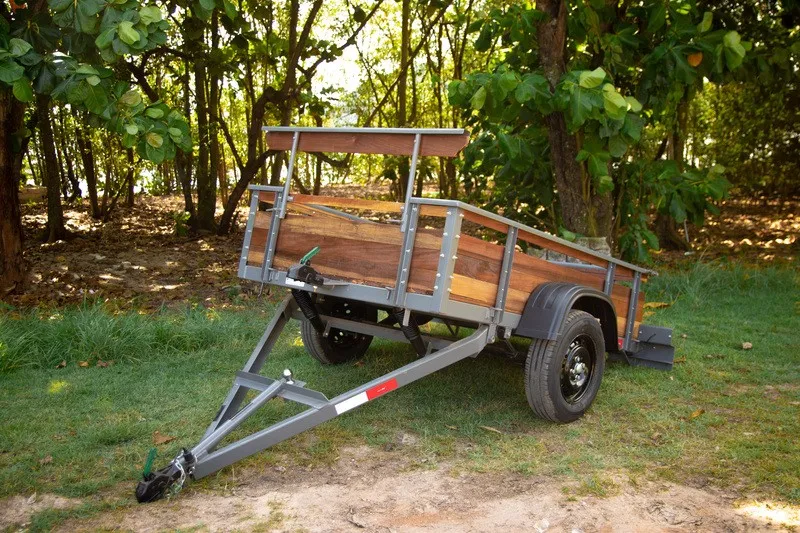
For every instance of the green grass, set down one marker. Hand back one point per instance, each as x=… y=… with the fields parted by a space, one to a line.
x=171 y=371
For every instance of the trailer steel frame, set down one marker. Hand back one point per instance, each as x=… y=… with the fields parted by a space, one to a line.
x=207 y=456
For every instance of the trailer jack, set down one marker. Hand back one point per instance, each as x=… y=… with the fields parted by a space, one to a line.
x=207 y=457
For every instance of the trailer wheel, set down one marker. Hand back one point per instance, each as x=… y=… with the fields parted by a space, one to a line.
x=339 y=346
x=562 y=376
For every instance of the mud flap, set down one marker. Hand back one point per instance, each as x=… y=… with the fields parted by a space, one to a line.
x=653 y=349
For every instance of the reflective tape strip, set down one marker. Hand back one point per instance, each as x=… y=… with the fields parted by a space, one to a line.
x=362 y=398
x=383 y=388
x=351 y=403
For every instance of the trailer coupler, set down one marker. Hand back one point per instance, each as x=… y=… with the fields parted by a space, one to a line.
x=165 y=482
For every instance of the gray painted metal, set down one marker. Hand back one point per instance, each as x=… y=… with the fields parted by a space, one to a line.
x=401 y=131
x=632 y=305
x=404 y=268
x=295 y=392
x=248 y=233
x=523 y=227
x=375 y=330
x=272 y=238
x=289 y=173
x=447 y=258
x=505 y=274
x=608 y=286
x=412 y=175
x=210 y=460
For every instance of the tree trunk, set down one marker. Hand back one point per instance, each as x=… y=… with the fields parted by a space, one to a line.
x=87 y=157
x=206 y=192
x=12 y=264
x=52 y=179
x=582 y=211
x=666 y=228
x=130 y=178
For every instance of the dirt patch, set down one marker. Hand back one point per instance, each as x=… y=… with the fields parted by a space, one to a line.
x=17 y=510
x=377 y=492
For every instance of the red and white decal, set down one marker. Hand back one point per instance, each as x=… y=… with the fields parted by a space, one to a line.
x=620 y=342
x=369 y=394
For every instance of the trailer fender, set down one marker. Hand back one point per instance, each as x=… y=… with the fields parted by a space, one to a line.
x=549 y=303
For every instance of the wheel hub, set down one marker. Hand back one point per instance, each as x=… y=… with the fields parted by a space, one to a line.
x=576 y=369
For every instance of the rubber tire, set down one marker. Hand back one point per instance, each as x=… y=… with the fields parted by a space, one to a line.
x=543 y=370
x=326 y=352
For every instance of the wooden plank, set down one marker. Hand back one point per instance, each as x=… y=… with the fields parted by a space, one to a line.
x=368 y=253
x=369 y=143
x=544 y=242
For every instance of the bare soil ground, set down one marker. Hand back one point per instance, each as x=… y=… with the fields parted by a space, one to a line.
x=369 y=490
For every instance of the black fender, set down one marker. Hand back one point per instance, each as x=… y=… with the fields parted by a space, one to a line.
x=549 y=303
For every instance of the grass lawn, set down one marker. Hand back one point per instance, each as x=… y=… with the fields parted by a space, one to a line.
x=724 y=415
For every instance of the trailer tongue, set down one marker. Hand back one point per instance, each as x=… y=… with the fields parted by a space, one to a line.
x=423 y=268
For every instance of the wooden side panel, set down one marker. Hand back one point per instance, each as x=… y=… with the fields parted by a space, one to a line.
x=369 y=143
x=369 y=253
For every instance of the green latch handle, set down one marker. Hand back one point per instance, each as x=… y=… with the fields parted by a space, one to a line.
x=148 y=465
x=311 y=253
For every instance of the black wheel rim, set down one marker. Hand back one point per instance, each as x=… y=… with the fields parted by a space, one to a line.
x=577 y=368
x=338 y=338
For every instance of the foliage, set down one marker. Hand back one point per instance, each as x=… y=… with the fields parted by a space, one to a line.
x=646 y=59
x=69 y=52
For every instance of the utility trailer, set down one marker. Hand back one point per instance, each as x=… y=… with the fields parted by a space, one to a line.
x=358 y=269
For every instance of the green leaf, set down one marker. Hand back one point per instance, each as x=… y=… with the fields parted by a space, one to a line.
x=22 y=90
x=131 y=98
x=18 y=47
x=208 y=5
x=478 y=99
x=96 y=99
x=597 y=164
x=154 y=154
x=657 y=17
x=510 y=145
x=154 y=112
x=605 y=184
x=567 y=234
x=175 y=132
x=154 y=139
x=615 y=105
x=676 y=209
x=231 y=11
x=127 y=33
x=617 y=146
x=10 y=71
x=149 y=14
x=131 y=129
x=105 y=39
x=632 y=127
x=508 y=81
x=731 y=38
x=589 y=79
x=87 y=69
x=634 y=104
x=705 y=24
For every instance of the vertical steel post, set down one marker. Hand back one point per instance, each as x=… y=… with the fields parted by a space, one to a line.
x=632 y=305
x=290 y=171
x=447 y=258
x=272 y=238
x=608 y=287
x=505 y=273
x=248 y=234
x=412 y=172
x=404 y=268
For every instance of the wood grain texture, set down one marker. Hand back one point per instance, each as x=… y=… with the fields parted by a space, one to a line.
x=369 y=143
x=369 y=253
